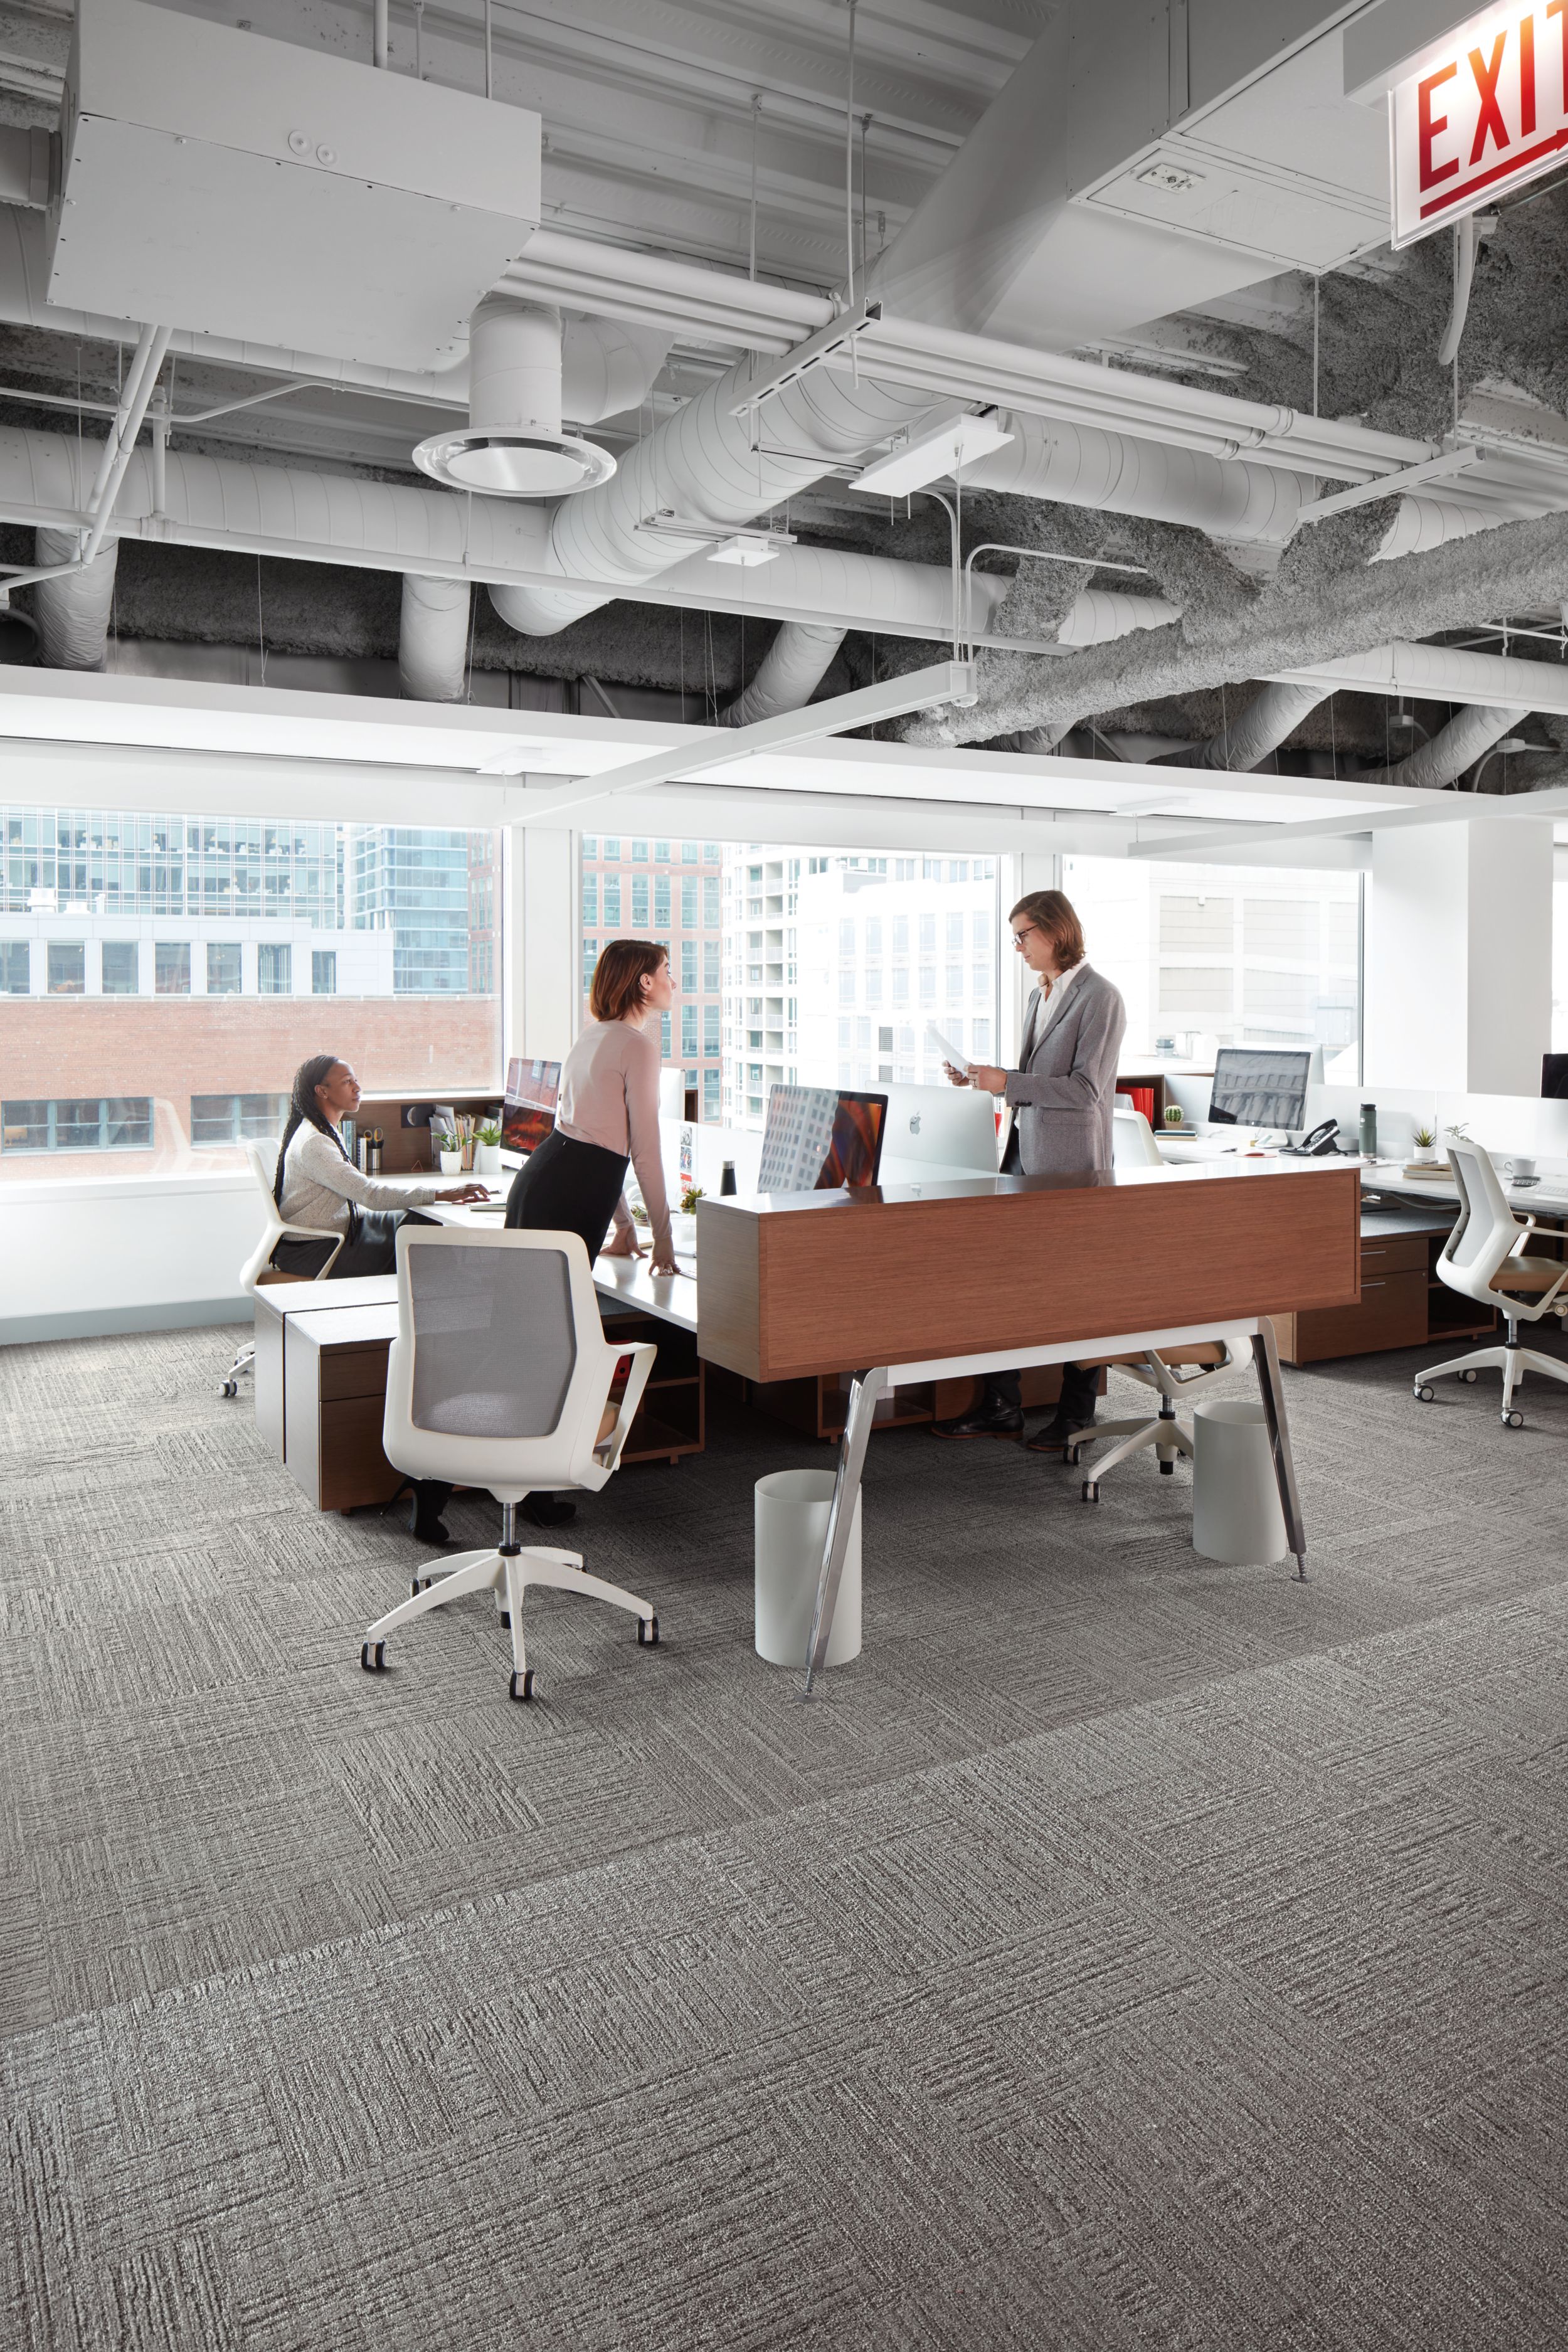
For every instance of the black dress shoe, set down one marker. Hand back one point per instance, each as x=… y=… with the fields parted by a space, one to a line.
x=989 y=1419
x=1059 y=1434
x=548 y=1510
x=429 y=1497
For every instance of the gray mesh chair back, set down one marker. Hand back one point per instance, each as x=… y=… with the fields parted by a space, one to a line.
x=1485 y=1231
x=494 y=1342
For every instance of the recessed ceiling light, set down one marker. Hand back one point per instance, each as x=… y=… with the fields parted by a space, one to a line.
x=746 y=550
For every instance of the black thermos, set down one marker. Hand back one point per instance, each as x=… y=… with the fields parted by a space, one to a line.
x=727 y=1178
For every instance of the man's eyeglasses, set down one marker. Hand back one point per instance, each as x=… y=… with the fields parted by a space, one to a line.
x=1019 y=936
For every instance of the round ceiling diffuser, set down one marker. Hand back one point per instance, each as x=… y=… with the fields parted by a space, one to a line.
x=512 y=465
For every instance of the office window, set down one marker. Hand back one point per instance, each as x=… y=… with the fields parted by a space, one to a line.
x=710 y=1028
x=928 y=934
x=639 y=853
x=67 y=968
x=901 y=985
x=845 y=988
x=688 y=902
x=712 y=952
x=664 y=1036
x=15 y=967
x=873 y=988
x=954 y=983
x=982 y=922
x=236 y=1119
x=688 y=982
x=710 y=1095
x=688 y=853
x=590 y=899
x=107 y=1123
x=661 y=901
x=928 y=985
x=661 y=853
x=225 y=968
x=402 y=914
x=323 y=972
x=873 y=936
x=611 y=902
x=955 y=933
x=711 y=911
x=639 y=902
x=689 y=1027
x=847 y=937
x=275 y=969
x=589 y=845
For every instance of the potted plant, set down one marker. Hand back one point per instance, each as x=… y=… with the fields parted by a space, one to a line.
x=486 y=1149
x=1423 y=1142
x=449 y=1150
x=1175 y=1115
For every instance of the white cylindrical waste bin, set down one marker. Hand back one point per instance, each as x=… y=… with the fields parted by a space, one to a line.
x=791 y=1507
x=1236 y=1516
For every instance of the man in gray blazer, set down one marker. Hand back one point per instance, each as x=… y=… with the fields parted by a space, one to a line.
x=1060 y=1099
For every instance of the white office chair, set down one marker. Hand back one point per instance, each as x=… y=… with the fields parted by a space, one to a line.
x=275 y=1230
x=1482 y=1260
x=499 y=1377
x=1133 y=1145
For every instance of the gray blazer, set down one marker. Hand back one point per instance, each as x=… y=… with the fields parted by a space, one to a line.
x=1064 y=1090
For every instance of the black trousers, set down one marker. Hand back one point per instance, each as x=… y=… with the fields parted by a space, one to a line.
x=371 y=1247
x=1077 y=1384
x=568 y=1187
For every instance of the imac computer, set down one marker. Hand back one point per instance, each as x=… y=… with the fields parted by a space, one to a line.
x=1261 y=1086
x=528 y=1113
x=818 y=1138
x=936 y=1133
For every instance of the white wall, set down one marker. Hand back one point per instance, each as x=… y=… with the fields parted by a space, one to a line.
x=148 y=1253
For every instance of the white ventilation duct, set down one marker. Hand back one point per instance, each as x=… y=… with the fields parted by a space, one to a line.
x=788 y=675
x=73 y=613
x=1078 y=466
x=1101 y=614
x=514 y=446
x=1274 y=713
x=607 y=367
x=433 y=638
x=1454 y=748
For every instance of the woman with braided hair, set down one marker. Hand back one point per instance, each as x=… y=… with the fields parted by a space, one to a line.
x=318 y=1184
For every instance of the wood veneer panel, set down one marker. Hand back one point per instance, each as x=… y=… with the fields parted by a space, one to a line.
x=730 y=1315
x=876 y=1281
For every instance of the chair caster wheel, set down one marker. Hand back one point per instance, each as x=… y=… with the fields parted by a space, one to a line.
x=647 y=1633
x=419 y=1584
x=1513 y=1420
x=1072 y=1455
x=229 y=1388
x=1425 y=1395
x=373 y=1657
x=521 y=1686
x=1091 y=1490
x=1470 y=1377
x=1167 y=1469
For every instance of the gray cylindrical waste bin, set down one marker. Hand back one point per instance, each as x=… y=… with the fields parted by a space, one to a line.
x=791 y=1507
x=1236 y=1516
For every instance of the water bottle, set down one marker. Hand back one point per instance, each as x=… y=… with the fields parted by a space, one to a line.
x=1369 y=1131
x=727 y=1178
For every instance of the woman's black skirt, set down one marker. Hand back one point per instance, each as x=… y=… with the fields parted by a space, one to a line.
x=567 y=1187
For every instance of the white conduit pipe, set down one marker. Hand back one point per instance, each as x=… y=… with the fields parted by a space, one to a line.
x=788 y=675
x=432 y=639
x=1272 y=714
x=74 y=613
x=1453 y=748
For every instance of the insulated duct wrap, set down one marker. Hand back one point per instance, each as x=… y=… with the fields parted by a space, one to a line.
x=789 y=673
x=1074 y=465
x=73 y=613
x=432 y=639
x=1456 y=747
x=1273 y=714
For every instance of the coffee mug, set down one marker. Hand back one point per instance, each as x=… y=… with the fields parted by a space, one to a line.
x=1522 y=1170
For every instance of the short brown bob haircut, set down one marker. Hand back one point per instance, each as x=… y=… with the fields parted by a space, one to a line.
x=1052 y=912
x=618 y=976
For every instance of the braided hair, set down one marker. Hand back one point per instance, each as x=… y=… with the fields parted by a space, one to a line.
x=304 y=1110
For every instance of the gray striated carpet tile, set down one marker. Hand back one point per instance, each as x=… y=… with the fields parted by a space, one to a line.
x=1130 y=1953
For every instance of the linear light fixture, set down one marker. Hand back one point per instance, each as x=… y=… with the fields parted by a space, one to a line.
x=511 y=761
x=953 y=682
x=952 y=445
x=742 y=544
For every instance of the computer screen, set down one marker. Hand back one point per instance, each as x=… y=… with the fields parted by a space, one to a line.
x=1554 y=1077
x=937 y=1131
x=528 y=1113
x=1260 y=1086
x=817 y=1138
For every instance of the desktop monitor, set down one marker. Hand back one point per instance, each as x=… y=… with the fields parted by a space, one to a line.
x=1260 y=1086
x=528 y=1113
x=1554 y=1077
x=819 y=1137
x=937 y=1133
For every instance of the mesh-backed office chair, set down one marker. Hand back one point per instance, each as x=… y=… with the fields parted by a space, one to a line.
x=275 y=1230
x=499 y=1377
x=1482 y=1260
x=1133 y=1145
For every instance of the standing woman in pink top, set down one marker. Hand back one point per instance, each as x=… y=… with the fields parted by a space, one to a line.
x=608 y=1115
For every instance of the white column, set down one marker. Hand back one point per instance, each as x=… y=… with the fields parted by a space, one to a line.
x=1459 y=956
x=541 y=954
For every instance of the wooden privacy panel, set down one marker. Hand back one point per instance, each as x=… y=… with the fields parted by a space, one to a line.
x=824 y=1283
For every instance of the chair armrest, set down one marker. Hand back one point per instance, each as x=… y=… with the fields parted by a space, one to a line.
x=642 y=1353
x=312 y=1233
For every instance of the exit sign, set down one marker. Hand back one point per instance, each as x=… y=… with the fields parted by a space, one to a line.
x=1486 y=111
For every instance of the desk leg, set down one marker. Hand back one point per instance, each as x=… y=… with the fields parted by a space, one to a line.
x=1265 y=1356
x=863 y=1391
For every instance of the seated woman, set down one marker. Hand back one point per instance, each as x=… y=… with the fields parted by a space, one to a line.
x=318 y=1184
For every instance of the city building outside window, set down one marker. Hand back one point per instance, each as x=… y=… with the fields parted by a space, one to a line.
x=67 y=968
x=275 y=968
x=644 y=886
x=323 y=972
x=225 y=968
x=611 y=902
x=590 y=899
x=405 y=919
x=639 y=902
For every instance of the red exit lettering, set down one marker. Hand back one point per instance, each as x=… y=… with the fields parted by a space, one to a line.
x=1431 y=124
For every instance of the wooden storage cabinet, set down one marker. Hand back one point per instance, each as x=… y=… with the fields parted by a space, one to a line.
x=671 y=1419
x=334 y=1400
x=1405 y=1303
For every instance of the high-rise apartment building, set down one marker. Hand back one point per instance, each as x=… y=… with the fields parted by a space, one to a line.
x=670 y=891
